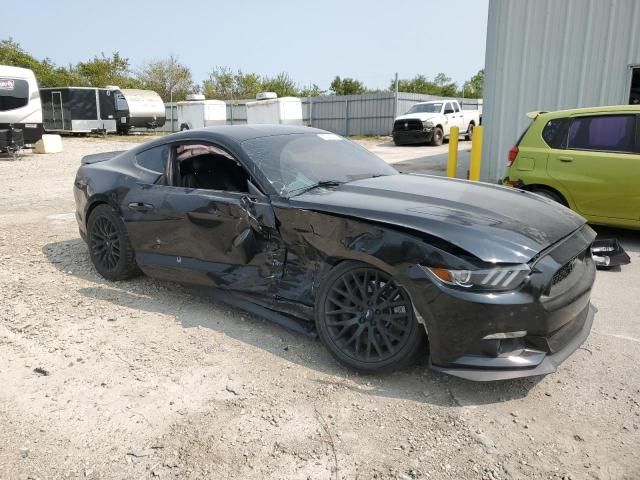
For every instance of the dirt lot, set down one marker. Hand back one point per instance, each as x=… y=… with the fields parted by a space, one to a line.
x=144 y=379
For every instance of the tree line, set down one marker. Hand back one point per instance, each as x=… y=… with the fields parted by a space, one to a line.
x=173 y=80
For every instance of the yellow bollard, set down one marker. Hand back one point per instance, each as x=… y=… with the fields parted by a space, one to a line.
x=452 y=162
x=476 y=154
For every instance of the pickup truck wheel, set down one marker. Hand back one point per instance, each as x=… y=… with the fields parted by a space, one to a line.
x=438 y=137
x=469 y=134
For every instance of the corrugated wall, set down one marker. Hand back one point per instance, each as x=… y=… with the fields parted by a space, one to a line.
x=551 y=55
x=369 y=114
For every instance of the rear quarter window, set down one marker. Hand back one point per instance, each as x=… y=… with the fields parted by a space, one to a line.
x=155 y=159
x=554 y=132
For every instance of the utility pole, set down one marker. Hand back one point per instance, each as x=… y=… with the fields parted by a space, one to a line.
x=395 y=100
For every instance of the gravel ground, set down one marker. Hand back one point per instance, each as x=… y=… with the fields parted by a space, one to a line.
x=147 y=379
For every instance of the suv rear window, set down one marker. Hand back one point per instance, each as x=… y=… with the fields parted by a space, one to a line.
x=605 y=133
x=555 y=132
x=14 y=93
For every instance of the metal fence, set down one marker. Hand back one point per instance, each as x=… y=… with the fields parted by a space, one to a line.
x=368 y=114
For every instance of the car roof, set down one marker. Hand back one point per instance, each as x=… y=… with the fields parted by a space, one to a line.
x=587 y=110
x=241 y=133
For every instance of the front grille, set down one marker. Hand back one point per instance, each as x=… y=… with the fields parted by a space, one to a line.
x=564 y=271
x=410 y=124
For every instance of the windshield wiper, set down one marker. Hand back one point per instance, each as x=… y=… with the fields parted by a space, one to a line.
x=323 y=183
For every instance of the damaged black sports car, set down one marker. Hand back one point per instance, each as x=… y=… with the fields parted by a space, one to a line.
x=317 y=233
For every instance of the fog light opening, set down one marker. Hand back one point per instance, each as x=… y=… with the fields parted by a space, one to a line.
x=505 y=335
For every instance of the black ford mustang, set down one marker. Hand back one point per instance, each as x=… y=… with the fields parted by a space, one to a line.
x=315 y=232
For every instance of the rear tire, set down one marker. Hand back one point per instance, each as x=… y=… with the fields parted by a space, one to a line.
x=366 y=320
x=469 y=135
x=109 y=245
x=551 y=195
x=438 y=137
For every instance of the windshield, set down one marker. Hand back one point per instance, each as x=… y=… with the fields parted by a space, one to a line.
x=426 y=108
x=295 y=162
x=14 y=93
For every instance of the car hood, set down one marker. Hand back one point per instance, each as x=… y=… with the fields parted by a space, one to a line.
x=424 y=116
x=494 y=223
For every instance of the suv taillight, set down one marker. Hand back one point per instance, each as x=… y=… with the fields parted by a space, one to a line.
x=513 y=153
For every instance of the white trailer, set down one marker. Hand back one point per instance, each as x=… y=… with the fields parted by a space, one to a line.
x=270 y=109
x=20 y=106
x=196 y=112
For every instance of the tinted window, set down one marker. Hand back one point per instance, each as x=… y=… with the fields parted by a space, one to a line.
x=426 y=108
x=14 y=93
x=154 y=159
x=456 y=108
x=608 y=133
x=294 y=162
x=555 y=132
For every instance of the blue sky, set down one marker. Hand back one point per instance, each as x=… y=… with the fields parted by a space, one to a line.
x=312 y=41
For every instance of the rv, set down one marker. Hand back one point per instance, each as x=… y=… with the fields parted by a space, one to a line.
x=100 y=110
x=20 y=109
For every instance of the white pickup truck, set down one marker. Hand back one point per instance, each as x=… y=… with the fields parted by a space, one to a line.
x=431 y=122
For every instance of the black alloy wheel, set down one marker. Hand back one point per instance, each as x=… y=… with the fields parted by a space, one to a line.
x=109 y=246
x=367 y=321
x=105 y=243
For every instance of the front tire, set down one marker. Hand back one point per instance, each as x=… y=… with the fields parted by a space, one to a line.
x=438 y=137
x=366 y=320
x=109 y=245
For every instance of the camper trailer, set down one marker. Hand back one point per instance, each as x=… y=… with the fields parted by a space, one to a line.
x=20 y=109
x=138 y=109
x=100 y=110
x=196 y=112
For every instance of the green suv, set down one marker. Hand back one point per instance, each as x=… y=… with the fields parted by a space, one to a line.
x=587 y=159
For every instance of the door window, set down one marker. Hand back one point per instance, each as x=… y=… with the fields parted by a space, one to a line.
x=606 y=133
x=209 y=167
x=456 y=108
x=447 y=108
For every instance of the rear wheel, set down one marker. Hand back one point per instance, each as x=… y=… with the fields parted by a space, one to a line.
x=366 y=319
x=551 y=195
x=469 y=135
x=109 y=245
x=438 y=137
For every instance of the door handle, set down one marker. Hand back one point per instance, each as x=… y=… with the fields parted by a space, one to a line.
x=140 y=207
x=565 y=159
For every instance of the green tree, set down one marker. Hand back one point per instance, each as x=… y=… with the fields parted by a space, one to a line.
x=473 y=88
x=102 y=71
x=47 y=73
x=441 y=85
x=347 y=86
x=312 y=90
x=166 y=76
x=282 y=84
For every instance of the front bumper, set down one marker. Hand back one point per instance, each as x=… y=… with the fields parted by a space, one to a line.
x=408 y=137
x=486 y=370
x=547 y=318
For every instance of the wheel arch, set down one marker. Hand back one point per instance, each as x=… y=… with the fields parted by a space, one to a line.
x=95 y=202
x=540 y=186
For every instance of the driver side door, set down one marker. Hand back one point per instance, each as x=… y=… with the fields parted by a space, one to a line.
x=222 y=238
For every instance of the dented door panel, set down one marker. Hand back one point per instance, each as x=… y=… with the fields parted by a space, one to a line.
x=211 y=238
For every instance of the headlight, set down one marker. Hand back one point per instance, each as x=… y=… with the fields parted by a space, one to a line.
x=501 y=278
x=427 y=123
